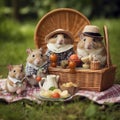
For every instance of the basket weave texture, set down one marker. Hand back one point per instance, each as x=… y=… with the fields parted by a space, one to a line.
x=73 y=21
x=96 y=80
x=63 y=18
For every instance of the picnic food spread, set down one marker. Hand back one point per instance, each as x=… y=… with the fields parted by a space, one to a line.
x=56 y=93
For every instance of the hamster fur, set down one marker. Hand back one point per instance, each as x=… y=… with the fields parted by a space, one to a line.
x=35 y=59
x=16 y=79
x=93 y=47
x=60 y=40
x=60 y=44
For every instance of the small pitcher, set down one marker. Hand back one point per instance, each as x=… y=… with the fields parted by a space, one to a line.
x=50 y=81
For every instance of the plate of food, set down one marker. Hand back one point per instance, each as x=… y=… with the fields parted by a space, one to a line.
x=53 y=95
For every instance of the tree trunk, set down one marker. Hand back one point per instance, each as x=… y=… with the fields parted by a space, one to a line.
x=16 y=9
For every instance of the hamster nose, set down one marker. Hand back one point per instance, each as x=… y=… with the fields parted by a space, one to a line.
x=61 y=41
x=89 y=47
x=19 y=76
x=37 y=61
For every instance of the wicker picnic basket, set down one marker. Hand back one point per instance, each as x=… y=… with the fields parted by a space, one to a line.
x=74 y=21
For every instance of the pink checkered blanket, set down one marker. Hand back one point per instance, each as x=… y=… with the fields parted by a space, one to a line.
x=111 y=95
x=29 y=93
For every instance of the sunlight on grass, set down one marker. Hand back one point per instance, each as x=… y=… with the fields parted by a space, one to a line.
x=14 y=51
x=27 y=30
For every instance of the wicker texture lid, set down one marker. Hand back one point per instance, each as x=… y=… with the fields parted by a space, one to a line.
x=62 y=18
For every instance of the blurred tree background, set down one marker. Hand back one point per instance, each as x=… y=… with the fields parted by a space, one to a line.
x=17 y=11
x=21 y=9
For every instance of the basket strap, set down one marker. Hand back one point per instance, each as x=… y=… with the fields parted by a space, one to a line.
x=109 y=63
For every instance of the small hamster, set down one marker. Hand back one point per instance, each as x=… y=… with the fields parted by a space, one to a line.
x=16 y=81
x=35 y=61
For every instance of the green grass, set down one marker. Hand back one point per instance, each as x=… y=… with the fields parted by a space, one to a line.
x=13 y=47
x=15 y=39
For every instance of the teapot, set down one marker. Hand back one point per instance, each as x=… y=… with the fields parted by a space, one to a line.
x=50 y=81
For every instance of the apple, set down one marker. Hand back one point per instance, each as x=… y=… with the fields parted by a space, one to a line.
x=75 y=58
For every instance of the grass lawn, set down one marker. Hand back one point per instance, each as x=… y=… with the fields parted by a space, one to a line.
x=15 y=39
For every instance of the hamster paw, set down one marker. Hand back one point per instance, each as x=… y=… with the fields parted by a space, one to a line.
x=34 y=76
x=19 y=91
x=95 y=58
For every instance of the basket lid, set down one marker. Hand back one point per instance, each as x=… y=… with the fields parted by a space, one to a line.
x=62 y=18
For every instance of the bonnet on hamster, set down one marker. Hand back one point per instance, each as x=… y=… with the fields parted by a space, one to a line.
x=16 y=81
x=59 y=37
x=35 y=61
x=60 y=42
x=91 y=44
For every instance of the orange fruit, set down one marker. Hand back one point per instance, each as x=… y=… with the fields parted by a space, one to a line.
x=53 y=57
x=53 y=64
x=72 y=64
x=38 y=78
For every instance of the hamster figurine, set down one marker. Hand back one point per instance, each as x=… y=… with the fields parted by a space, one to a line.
x=60 y=42
x=91 y=46
x=35 y=63
x=16 y=82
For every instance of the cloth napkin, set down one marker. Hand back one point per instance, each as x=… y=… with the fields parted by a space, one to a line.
x=111 y=95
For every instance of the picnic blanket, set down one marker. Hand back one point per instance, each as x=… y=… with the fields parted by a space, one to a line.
x=111 y=95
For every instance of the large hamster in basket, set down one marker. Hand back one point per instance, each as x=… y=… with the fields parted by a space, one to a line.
x=60 y=42
x=91 y=46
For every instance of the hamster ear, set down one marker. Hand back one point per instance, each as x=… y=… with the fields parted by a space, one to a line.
x=21 y=65
x=28 y=51
x=10 y=67
x=40 y=49
x=81 y=36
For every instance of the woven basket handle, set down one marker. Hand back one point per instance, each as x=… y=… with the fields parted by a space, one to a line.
x=109 y=63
